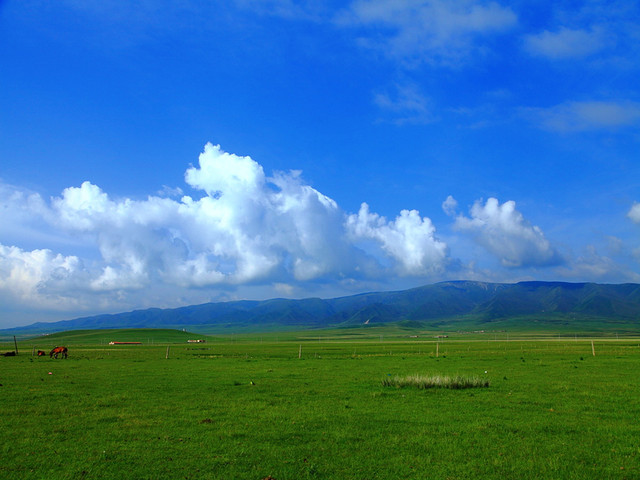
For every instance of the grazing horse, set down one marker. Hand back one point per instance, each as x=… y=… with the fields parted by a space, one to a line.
x=59 y=350
x=9 y=354
x=41 y=353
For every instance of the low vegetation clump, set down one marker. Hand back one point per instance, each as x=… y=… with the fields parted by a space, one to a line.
x=435 y=381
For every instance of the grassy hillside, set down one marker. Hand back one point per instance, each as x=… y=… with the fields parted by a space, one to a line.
x=447 y=305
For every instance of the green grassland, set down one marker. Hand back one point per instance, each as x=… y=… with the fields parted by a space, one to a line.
x=312 y=404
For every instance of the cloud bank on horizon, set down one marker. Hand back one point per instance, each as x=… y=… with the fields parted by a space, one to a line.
x=363 y=145
x=242 y=227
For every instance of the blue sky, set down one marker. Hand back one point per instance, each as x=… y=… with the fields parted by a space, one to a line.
x=158 y=154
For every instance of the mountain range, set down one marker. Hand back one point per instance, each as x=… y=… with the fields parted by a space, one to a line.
x=445 y=305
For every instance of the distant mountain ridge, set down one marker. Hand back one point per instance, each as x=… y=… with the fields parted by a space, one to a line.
x=445 y=303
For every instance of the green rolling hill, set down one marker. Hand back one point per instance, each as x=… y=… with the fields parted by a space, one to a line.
x=454 y=304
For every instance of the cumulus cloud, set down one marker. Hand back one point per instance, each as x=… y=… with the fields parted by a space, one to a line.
x=236 y=227
x=443 y=31
x=587 y=115
x=565 y=43
x=245 y=228
x=39 y=277
x=409 y=239
x=503 y=231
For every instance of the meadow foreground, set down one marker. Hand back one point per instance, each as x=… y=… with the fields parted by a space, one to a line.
x=318 y=409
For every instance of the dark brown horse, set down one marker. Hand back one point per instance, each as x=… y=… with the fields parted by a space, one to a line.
x=41 y=353
x=59 y=350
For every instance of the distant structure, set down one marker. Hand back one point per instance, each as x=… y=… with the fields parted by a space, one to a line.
x=125 y=343
x=200 y=340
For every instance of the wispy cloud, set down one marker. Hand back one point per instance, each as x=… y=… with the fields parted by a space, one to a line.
x=565 y=43
x=586 y=115
x=288 y=9
x=167 y=191
x=592 y=265
x=433 y=31
x=405 y=104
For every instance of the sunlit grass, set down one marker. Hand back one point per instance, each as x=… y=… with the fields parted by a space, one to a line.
x=235 y=408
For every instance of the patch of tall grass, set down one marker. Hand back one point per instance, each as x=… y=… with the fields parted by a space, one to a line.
x=436 y=381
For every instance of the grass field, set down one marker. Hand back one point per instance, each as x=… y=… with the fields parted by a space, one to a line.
x=313 y=405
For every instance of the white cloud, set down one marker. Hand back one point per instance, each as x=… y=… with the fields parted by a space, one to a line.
x=225 y=173
x=450 y=205
x=84 y=207
x=503 y=231
x=238 y=228
x=39 y=277
x=409 y=239
x=263 y=225
x=587 y=115
x=565 y=43
x=634 y=213
x=443 y=31
x=22 y=215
